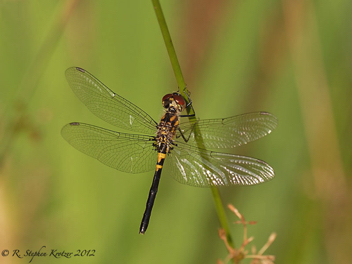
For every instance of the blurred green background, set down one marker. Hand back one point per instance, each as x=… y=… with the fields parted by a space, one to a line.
x=290 y=58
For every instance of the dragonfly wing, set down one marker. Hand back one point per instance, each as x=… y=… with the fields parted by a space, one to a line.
x=125 y=152
x=108 y=105
x=203 y=168
x=228 y=132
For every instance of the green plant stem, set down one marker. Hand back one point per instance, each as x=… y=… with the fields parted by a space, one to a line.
x=172 y=53
x=221 y=214
x=183 y=89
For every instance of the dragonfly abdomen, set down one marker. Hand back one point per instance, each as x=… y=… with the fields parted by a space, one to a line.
x=152 y=193
x=164 y=139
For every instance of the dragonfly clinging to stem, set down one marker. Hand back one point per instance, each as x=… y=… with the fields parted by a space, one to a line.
x=171 y=144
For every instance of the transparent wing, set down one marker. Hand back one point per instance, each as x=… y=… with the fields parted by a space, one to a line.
x=228 y=132
x=203 y=168
x=107 y=105
x=124 y=152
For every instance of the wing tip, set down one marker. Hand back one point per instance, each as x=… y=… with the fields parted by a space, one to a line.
x=267 y=114
x=80 y=69
x=71 y=70
x=67 y=126
x=74 y=123
x=273 y=119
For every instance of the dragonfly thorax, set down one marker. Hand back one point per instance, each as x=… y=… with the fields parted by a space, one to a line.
x=166 y=131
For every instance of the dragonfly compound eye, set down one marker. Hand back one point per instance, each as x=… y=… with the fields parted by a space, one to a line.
x=166 y=100
x=179 y=100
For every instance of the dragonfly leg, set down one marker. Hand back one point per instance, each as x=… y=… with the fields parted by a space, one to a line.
x=188 y=115
x=189 y=136
x=189 y=104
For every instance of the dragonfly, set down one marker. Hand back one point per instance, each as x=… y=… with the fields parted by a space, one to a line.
x=182 y=148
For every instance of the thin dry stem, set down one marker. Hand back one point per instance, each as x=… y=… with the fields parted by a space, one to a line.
x=237 y=255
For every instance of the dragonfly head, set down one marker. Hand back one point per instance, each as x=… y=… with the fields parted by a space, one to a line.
x=174 y=102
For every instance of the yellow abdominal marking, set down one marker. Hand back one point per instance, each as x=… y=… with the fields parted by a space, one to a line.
x=158 y=167
x=160 y=157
